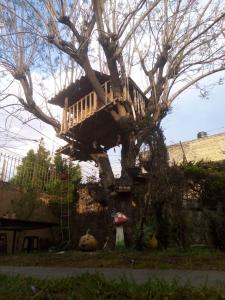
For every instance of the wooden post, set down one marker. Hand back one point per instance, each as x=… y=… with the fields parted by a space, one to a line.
x=91 y=102
x=128 y=90
x=135 y=99
x=142 y=106
x=85 y=107
x=77 y=111
x=111 y=93
x=3 y=170
x=124 y=93
x=81 y=110
x=73 y=114
x=62 y=124
x=65 y=114
x=95 y=102
x=69 y=117
x=105 y=87
x=14 y=241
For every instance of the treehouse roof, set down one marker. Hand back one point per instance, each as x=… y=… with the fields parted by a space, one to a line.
x=77 y=90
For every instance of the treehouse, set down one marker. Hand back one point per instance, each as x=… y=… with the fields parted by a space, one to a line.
x=89 y=124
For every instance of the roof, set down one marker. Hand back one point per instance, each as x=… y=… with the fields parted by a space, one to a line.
x=77 y=90
x=16 y=224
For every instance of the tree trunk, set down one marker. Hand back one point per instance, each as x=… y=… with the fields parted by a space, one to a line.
x=128 y=156
x=93 y=79
x=105 y=172
x=110 y=46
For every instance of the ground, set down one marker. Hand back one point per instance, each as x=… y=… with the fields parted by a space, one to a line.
x=194 y=259
x=168 y=275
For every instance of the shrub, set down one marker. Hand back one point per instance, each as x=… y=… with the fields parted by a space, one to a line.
x=217 y=228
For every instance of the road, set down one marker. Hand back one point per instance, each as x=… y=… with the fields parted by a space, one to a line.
x=196 y=278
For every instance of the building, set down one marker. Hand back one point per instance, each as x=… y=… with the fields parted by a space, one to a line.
x=205 y=147
x=25 y=224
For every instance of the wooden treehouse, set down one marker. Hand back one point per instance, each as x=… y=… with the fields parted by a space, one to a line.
x=88 y=123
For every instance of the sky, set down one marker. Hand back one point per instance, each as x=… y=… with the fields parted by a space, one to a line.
x=189 y=115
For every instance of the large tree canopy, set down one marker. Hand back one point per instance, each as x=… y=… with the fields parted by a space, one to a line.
x=172 y=45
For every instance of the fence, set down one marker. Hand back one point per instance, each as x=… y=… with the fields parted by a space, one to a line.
x=8 y=166
x=24 y=173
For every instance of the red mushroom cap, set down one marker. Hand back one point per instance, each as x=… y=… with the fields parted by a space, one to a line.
x=120 y=218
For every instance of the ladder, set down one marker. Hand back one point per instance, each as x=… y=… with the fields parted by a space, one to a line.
x=65 y=214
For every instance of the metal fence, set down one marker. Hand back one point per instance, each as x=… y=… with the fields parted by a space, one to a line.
x=8 y=166
x=24 y=173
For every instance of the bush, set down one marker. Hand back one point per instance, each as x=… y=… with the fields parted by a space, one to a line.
x=217 y=228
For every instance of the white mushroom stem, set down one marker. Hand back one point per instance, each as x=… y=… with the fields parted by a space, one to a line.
x=119 y=237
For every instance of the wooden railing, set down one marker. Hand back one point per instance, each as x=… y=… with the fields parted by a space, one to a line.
x=88 y=105
x=138 y=102
x=84 y=108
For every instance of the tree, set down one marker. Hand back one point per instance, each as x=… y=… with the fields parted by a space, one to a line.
x=38 y=172
x=173 y=44
x=34 y=169
x=63 y=170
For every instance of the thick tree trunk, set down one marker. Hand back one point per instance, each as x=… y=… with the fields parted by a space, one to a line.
x=128 y=156
x=105 y=173
x=109 y=49
x=94 y=81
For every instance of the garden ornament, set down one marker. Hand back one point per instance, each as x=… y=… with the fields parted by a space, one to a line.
x=88 y=242
x=119 y=220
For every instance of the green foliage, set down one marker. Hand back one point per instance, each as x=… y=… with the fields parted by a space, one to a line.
x=217 y=228
x=195 y=172
x=142 y=236
x=34 y=170
x=209 y=178
x=65 y=175
x=164 y=231
x=96 y=286
x=37 y=172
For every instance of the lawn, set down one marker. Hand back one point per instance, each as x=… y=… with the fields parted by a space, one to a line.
x=194 y=259
x=93 y=287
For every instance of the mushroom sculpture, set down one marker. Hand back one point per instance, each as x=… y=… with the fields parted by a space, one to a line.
x=119 y=220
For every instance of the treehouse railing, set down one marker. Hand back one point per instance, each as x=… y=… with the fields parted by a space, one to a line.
x=84 y=108
x=89 y=104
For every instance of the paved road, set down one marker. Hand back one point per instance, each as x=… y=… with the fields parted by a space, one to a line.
x=194 y=277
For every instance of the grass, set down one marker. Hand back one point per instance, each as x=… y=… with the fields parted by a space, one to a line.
x=93 y=287
x=192 y=259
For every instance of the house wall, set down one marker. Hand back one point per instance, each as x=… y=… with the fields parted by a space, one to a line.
x=209 y=148
x=12 y=205
x=8 y=195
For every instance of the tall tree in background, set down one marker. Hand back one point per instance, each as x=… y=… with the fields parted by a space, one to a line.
x=37 y=171
x=172 y=45
x=34 y=169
